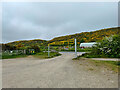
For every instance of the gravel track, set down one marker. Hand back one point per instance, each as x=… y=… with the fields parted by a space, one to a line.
x=58 y=72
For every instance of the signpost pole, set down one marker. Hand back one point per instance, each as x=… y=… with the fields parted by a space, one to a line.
x=75 y=48
x=48 y=50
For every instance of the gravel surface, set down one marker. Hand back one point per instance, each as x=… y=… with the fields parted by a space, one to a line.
x=106 y=59
x=58 y=72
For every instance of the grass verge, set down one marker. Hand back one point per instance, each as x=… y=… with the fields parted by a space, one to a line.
x=92 y=55
x=113 y=65
x=44 y=55
x=110 y=65
x=78 y=50
x=7 y=56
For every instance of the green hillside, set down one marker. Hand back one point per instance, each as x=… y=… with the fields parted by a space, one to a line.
x=88 y=36
x=81 y=37
x=23 y=43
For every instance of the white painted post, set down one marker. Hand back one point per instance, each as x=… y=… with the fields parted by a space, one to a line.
x=48 y=50
x=24 y=51
x=75 y=48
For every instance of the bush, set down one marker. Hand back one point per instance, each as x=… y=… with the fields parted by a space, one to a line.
x=108 y=47
x=34 y=48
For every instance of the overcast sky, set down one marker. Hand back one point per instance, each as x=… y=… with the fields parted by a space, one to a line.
x=24 y=21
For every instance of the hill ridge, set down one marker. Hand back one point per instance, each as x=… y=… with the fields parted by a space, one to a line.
x=81 y=37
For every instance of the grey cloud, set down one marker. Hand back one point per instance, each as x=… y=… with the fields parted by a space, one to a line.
x=49 y=20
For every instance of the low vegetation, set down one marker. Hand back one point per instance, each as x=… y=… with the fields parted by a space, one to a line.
x=99 y=64
x=8 y=56
x=78 y=49
x=109 y=47
x=44 y=55
x=41 y=55
x=112 y=65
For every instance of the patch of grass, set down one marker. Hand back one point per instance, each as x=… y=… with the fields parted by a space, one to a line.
x=78 y=50
x=76 y=58
x=113 y=65
x=44 y=55
x=7 y=56
x=93 y=55
x=79 y=57
x=89 y=55
x=91 y=69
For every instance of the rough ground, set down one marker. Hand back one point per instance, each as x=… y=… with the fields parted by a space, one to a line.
x=58 y=72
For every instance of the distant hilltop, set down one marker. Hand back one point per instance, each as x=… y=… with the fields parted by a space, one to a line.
x=68 y=39
x=88 y=36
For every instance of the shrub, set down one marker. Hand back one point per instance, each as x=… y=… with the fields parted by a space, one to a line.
x=108 y=47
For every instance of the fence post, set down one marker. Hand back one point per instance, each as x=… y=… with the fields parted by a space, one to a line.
x=24 y=51
x=75 y=48
x=48 y=50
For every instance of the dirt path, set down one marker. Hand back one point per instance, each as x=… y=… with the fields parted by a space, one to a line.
x=58 y=72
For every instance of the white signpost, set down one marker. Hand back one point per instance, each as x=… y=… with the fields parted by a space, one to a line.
x=48 y=50
x=75 y=48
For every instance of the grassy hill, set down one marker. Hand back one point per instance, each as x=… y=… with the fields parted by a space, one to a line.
x=23 y=43
x=69 y=39
x=88 y=36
